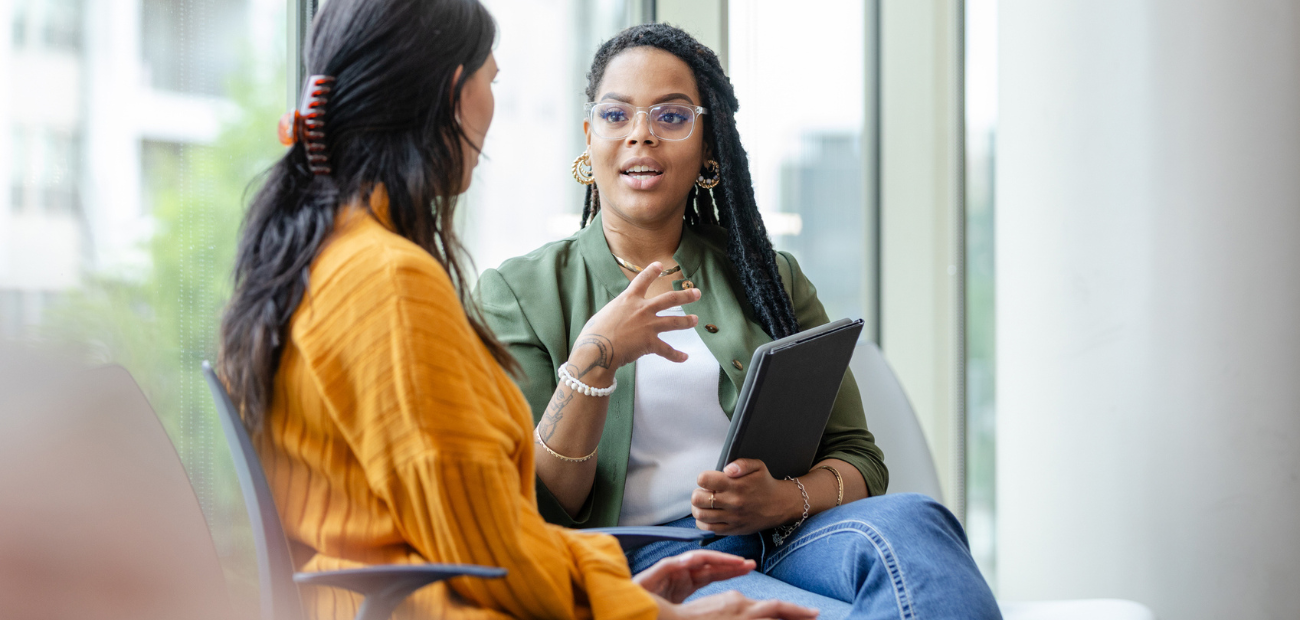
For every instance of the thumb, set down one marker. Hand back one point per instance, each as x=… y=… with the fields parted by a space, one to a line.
x=743 y=467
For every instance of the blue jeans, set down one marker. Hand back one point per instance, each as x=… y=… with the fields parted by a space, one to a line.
x=895 y=556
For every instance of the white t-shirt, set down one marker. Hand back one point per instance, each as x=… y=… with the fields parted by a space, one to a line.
x=678 y=429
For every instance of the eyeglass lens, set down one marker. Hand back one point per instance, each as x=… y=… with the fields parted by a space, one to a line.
x=615 y=121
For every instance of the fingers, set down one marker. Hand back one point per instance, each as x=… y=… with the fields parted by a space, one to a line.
x=710 y=520
x=743 y=467
x=672 y=299
x=710 y=500
x=702 y=558
x=661 y=348
x=708 y=516
x=713 y=481
x=706 y=499
x=641 y=283
x=706 y=575
x=733 y=604
x=674 y=323
x=780 y=609
x=716 y=528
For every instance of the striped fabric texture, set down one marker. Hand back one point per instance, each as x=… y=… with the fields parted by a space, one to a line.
x=394 y=437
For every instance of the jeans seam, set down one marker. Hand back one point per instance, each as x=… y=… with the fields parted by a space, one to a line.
x=906 y=608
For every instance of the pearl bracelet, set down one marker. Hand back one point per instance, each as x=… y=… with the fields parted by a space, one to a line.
x=583 y=388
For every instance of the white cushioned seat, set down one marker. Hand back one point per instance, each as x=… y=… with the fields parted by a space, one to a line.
x=1092 y=609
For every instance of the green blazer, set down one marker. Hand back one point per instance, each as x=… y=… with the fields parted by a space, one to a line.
x=537 y=305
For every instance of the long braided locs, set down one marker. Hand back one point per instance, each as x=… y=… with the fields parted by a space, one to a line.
x=748 y=245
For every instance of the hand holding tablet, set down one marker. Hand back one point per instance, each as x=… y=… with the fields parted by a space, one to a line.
x=787 y=398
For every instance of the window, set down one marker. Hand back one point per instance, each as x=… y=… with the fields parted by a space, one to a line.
x=981 y=131
x=48 y=24
x=805 y=142
x=45 y=170
x=523 y=195
x=128 y=151
x=192 y=46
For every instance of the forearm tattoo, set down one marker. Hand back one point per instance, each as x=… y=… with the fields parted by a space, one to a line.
x=563 y=395
x=554 y=412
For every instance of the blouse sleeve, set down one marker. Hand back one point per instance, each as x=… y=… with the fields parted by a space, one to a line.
x=432 y=427
x=846 y=437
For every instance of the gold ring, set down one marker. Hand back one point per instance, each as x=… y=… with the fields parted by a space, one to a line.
x=712 y=496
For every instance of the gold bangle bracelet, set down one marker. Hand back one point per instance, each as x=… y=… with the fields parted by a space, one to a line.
x=838 y=480
x=566 y=459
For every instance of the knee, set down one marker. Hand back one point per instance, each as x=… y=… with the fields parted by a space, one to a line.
x=916 y=505
x=912 y=505
x=909 y=511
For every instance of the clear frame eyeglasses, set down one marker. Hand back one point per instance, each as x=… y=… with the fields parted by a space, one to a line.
x=614 y=120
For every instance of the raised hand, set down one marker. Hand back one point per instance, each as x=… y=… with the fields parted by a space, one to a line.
x=627 y=328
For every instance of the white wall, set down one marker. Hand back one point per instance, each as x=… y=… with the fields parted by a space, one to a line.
x=1149 y=304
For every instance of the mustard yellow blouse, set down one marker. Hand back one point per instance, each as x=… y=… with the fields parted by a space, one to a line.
x=394 y=437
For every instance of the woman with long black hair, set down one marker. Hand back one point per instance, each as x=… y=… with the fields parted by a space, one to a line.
x=623 y=443
x=380 y=404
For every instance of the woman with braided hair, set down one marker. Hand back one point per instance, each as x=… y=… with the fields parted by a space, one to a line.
x=628 y=438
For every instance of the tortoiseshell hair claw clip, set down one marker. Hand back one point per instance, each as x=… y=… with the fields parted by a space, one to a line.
x=307 y=123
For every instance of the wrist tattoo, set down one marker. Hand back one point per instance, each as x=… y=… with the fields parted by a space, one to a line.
x=604 y=354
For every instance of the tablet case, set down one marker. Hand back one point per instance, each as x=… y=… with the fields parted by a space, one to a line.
x=787 y=397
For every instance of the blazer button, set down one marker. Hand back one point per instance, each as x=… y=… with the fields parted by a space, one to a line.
x=687 y=284
x=737 y=364
x=711 y=328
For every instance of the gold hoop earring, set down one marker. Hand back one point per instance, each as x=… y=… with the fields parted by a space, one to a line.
x=704 y=183
x=587 y=176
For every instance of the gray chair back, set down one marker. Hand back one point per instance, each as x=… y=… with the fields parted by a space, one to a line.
x=97 y=517
x=275 y=568
x=892 y=420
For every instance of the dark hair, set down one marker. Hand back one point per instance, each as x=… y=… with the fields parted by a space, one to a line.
x=390 y=121
x=748 y=245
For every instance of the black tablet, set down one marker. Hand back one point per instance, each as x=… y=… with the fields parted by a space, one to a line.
x=787 y=398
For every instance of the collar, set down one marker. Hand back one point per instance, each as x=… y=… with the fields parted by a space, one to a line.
x=600 y=262
x=378 y=208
